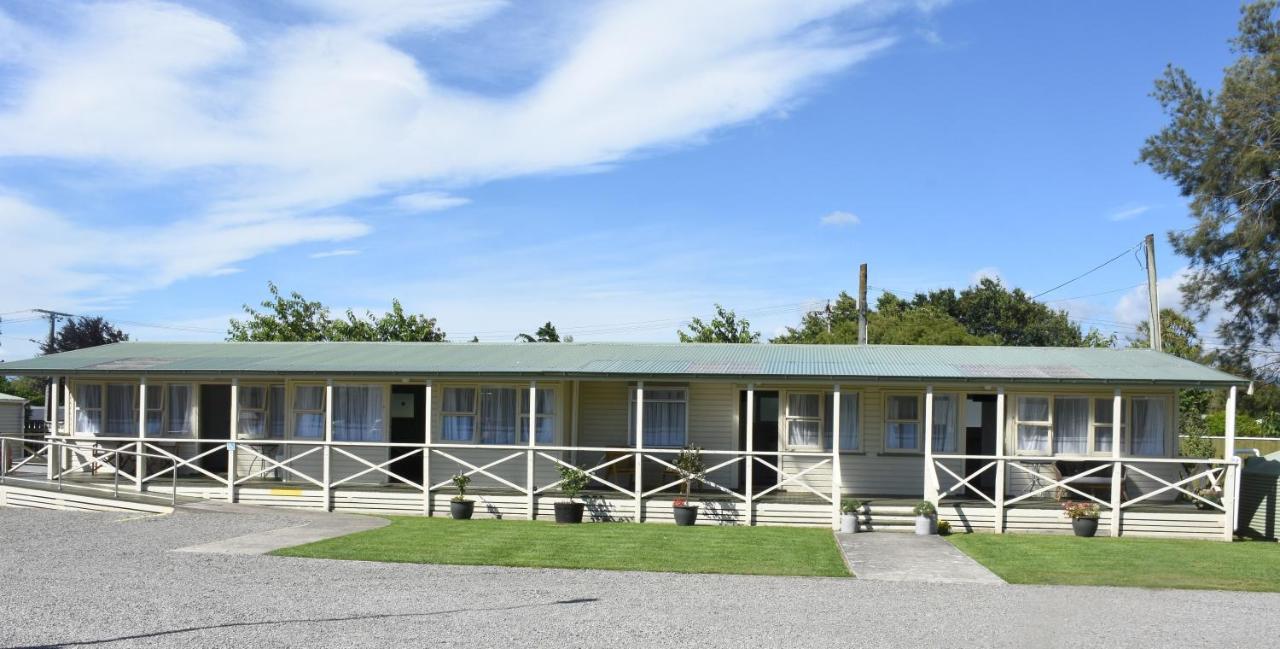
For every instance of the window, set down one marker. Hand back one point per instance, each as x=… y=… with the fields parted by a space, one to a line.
x=275 y=412
x=308 y=411
x=122 y=412
x=902 y=423
x=458 y=410
x=1103 y=421
x=804 y=420
x=665 y=417
x=850 y=440
x=357 y=413
x=1071 y=425
x=181 y=411
x=1150 y=422
x=1032 y=415
x=498 y=419
x=253 y=411
x=88 y=408
x=945 y=414
x=155 y=410
x=545 y=414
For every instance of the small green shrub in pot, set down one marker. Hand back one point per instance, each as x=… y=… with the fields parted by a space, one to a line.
x=459 y=507
x=944 y=528
x=849 y=510
x=926 y=518
x=572 y=481
x=691 y=466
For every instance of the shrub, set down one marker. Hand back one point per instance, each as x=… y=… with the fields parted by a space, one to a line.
x=572 y=481
x=460 y=481
x=1193 y=445
x=691 y=466
x=1075 y=510
x=850 y=506
x=924 y=508
x=944 y=528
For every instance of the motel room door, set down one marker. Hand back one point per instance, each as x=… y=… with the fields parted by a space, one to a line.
x=764 y=435
x=980 y=439
x=215 y=424
x=408 y=426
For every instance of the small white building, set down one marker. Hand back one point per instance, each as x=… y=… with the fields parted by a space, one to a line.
x=11 y=417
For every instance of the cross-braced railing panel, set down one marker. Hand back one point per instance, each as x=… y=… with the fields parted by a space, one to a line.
x=1175 y=486
x=1063 y=483
x=179 y=462
x=278 y=464
x=481 y=470
x=966 y=481
x=591 y=473
x=785 y=478
x=700 y=478
x=381 y=468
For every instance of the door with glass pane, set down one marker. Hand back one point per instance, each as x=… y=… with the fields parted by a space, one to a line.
x=764 y=435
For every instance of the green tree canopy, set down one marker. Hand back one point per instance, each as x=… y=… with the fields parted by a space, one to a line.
x=725 y=327
x=27 y=387
x=545 y=334
x=82 y=332
x=1178 y=335
x=1223 y=152
x=296 y=319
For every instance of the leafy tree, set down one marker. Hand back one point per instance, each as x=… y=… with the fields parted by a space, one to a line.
x=1007 y=317
x=835 y=325
x=545 y=334
x=921 y=326
x=82 y=332
x=28 y=387
x=1178 y=335
x=1223 y=152
x=725 y=327
x=296 y=319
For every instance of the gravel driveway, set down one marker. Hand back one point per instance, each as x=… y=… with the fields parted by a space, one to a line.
x=77 y=579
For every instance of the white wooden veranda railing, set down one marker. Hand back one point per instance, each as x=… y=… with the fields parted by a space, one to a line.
x=82 y=453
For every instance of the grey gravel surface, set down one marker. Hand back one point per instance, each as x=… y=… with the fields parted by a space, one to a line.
x=76 y=579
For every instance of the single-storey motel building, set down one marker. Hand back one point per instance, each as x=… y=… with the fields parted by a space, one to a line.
x=997 y=437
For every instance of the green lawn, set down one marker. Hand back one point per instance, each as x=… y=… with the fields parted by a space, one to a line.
x=606 y=546
x=1147 y=563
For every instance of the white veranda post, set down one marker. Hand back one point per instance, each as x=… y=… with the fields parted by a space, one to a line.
x=639 y=432
x=749 y=482
x=532 y=432
x=930 y=474
x=1117 y=474
x=52 y=417
x=1000 y=461
x=232 y=435
x=1230 y=469
x=140 y=466
x=426 y=451
x=835 y=457
x=326 y=459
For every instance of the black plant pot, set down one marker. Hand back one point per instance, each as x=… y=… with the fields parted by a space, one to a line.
x=569 y=512
x=461 y=510
x=1084 y=526
x=685 y=514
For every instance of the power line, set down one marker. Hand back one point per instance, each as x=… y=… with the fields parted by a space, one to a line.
x=1087 y=272
x=1081 y=297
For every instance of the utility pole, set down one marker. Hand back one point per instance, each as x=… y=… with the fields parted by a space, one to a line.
x=53 y=322
x=862 y=304
x=1154 y=329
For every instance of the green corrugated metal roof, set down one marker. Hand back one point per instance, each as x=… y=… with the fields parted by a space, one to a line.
x=673 y=360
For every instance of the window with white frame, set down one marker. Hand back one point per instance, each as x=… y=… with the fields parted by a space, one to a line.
x=946 y=413
x=496 y=414
x=850 y=437
x=122 y=409
x=358 y=414
x=902 y=422
x=88 y=408
x=1103 y=424
x=1032 y=414
x=804 y=419
x=180 y=414
x=275 y=412
x=1150 y=424
x=1070 y=425
x=252 y=422
x=308 y=411
x=666 y=417
x=155 y=410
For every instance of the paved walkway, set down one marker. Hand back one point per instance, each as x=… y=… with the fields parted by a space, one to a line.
x=898 y=556
x=318 y=526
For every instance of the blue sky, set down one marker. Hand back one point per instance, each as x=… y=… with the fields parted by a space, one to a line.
x=614 y=168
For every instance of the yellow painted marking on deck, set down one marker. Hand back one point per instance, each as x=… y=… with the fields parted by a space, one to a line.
x=286 y=491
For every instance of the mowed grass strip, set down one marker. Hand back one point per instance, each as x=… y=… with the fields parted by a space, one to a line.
x=606 y=546
x=1145 y=563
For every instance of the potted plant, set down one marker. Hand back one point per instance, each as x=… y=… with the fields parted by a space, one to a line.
x=849 y=520
x=459 y=507
x=572 y=481
x=944 y=528
x=691 y=466
x=926 y=518
x=1084 y=517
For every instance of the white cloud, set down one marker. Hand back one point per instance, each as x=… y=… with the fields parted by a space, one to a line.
x=342 y=252
x=986 y=272
x=840 y=218
x=1126 y=213
x=429 y=201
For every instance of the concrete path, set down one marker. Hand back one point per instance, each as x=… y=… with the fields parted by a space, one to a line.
x=895 y=556
x=317 y=526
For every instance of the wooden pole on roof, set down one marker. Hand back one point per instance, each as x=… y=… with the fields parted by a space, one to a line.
x=1154 y=330
x=862 y=304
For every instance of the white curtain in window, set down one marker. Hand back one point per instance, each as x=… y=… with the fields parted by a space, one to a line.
x=849 y=437
x=155 y=410
x=253 y=416
x=1033 y=436
x=664 y=417
x=181 y=411
x=1071 y=425
x=1149 y=426
x=903 y=435
x=458 y=427
x=545 y=425
x=357 y=413
x=89 y=409
x=944 y=423
x=1102 y=425
x=308 y=404
x=803 y=432
x=122 y=412
x=498 y=418
x=275 y=412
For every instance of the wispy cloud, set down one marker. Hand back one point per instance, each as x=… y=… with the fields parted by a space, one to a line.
x=1126 y=213
x=840 y=218
x=343 y=252
x=429 y=201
